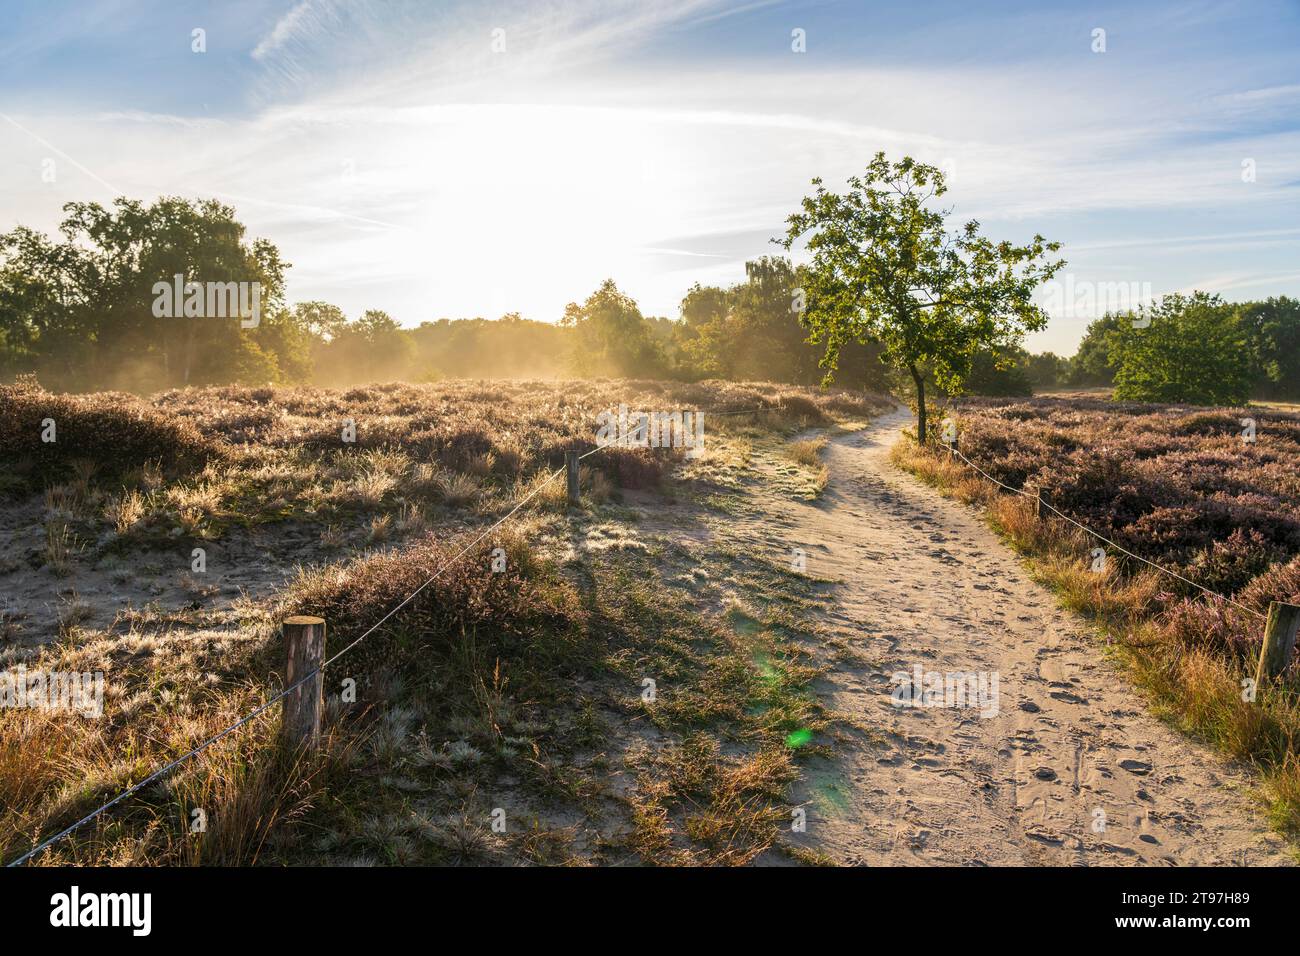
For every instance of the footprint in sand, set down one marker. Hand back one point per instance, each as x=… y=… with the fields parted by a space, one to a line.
x=989 y=794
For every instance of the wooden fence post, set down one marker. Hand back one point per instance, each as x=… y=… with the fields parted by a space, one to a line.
x=1279 y=641
x=304 y=642
x=1044 y=512
x=571 y=462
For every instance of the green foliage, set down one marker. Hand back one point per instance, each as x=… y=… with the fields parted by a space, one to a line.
x=1272 y=328
x=376 y=346
x=1046 y=370
x=282 y=345
x=80 y=308
x=319 y=320
x=511 y=347
x=993 y=374
x=703 y=313
x=1091 y=363
x=1272 y=347
x=749 y=331
x=612 y=338
x=1194 y=351
x=885 y=268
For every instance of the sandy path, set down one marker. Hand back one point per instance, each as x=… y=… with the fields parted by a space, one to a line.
x=1070 y=770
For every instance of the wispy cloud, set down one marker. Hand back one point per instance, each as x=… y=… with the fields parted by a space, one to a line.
x=292 y=24
x=1145 y=242
x=401 y=160
x=1266 y=94
x=1267 y=283
x=46 y=144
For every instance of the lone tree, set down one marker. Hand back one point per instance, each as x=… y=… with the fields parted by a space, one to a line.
x=886 y=269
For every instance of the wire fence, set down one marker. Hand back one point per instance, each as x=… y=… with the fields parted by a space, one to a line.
x=275 y=699
x=536 y=490
x=1100 y=537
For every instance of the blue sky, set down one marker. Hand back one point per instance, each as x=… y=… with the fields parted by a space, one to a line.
x=400 y=162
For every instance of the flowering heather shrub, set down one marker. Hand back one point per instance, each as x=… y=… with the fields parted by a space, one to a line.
x=1279 y=583
x=1175 y=485
x=804 y=407
x=524 y=426
x=1229 y=630
x=636 y=467
x=114 y=431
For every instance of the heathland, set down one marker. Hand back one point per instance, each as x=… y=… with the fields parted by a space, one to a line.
x=1211 y=496
x=605 y=685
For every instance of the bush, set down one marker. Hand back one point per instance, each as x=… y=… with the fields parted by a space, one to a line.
x=802 y=406
x=634 y=467
x=114 y=431
x=520 y=611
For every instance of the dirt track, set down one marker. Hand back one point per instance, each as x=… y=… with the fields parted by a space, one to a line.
x=1070 y=770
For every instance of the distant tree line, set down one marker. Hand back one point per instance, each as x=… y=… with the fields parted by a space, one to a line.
x=749 y=331
x=1194 y=349
x=81 y=311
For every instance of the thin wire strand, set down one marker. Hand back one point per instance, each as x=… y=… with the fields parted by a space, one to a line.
x=164 y=770
x=619 y=443
x=1101 y=537
x=167 y=768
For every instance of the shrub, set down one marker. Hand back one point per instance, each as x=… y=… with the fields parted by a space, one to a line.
x=1177 y=487
x=802 y=406
x=634 y=467
x=115 y=431
x=520 y=611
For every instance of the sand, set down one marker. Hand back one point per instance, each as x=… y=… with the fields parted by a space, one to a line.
x=1072 y=769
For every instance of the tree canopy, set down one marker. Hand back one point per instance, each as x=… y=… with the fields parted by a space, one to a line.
x=612 y=337
x=1194 y=350
x=81 y=306
x=1272 y=329
x=886 y=268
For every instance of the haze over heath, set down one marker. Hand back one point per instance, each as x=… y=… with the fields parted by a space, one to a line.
x=401 y=163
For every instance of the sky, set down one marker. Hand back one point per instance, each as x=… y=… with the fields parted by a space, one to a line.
x=475 y=158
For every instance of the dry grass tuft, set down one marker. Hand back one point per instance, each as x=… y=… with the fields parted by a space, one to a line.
x=806 y=451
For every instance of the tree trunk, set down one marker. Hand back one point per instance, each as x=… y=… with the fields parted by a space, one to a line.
x=920 y=404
